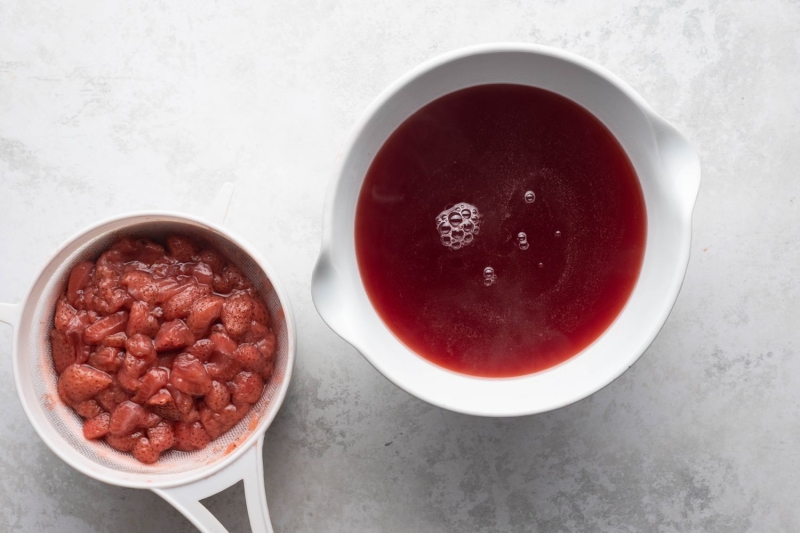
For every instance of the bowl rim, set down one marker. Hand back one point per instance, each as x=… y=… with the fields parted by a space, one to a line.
x=324 y=258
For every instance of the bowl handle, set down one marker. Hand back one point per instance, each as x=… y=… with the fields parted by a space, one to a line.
x=326 y=284
x=679 y=161
x=250 y=468
x=9 y=313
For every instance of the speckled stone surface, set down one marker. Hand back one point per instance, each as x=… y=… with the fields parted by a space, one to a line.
x=106 y=109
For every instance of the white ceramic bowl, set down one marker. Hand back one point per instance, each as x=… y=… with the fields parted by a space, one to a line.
x=667 y=166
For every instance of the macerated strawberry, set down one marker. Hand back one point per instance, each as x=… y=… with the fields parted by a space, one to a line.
x=223 y=343
x=260 y=312
x=132 y=369
x=212 y=259
x=218 y=397
x=125 y=246
x=148 y=252
x=221 y=284
x=63 y=350
x=140 y=286
x=216 y=424
x=183 y=401
x=166 y=359
x=141 y=320
x=64 y=315
x=222 y=367
x=190 y=436
x=117 y=340
x=173 y=335
x=152 y=381
x=163 y=404
x=267 y=345
x=81 y=382
x=78 y=279
x=162 y=436
x=247 y=388
x=97 y=427
x=180 y=305
x=172 y=285
x=151 y=420
x=141 y=347
x=202 y=273
x=143 y=451
x=124 y=443
x=125 y=418
x=235 y=278
x=203 y=312
x=181 y=248
x=106 y=326
x=189 y=375
x=201 y=349
x=88 y=408
x=256 y=332
x=107 y=359
x=237 y=311
x=249 y=358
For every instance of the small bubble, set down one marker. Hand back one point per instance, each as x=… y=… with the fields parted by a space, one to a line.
x=523 y=245
x=541 y=265
x=530 y=197
x=444 y=228
x=468 y=238
x=466 y=214
x=488 y=272
x=455 y=219
x=521 y=236
x=487 y=281
x=558 y=234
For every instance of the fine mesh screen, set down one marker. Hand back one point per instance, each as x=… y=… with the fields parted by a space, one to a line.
x=68 y=424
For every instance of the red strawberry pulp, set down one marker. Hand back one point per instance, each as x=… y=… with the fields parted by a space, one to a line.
x=160 y=347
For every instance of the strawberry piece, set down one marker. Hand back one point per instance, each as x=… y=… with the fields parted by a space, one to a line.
x=132 y=369
x=112 y=396
x=212 y=259
x=63 y=350
x=189 y=375
x=148 y=252
x=256 y=332
x=105 y=326
x=260 y=312
x=123 y=443
x=267 y=371
x=141 y=320
x=235 y=278
x=96 y=427
x=180 y=305
x=190 y=436
x=173 y=335
x=237 y=311
x=202 y=349
x=181 y=248
x=117 y=340
x=184 y=402
x=202 y=273
x=107 y=359
x=81 y=382
x=88 y=408
x=171 y=285
x=140 y=286
x=78 y=279
x=65 y=313
x=126 y=247
x=218 y=423
x=218 y=397
x=144 y=452
x=267 y=345
x=222 y=367
x=125 y=418
x=163 y=404
x=221 y=284
x=162 y=437
x=165 y=360
x=203 y=312
x=152 y=381
x=247 y=388
x=141 y=347
x=151 y=420
x=223 y=343
x=249 y=357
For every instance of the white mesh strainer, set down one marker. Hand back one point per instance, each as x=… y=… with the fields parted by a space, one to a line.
x=182 y=478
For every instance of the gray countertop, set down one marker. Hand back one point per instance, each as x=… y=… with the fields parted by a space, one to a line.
x=105 y=110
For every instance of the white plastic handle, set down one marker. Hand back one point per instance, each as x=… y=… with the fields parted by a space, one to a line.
x=249 y=467
x=9 y=313
x=680 y=162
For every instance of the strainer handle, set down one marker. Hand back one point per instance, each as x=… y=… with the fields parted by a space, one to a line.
x=250 y=468
x=9 y=313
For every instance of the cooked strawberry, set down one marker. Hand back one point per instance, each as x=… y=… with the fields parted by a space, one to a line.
x=249 y=358
x=237 y=311
x=63 y=350
x=88 y=408
x=151 y=420
x=267 y=371
x=202 y=273
x=212 y=259
x=203 y=312
x=218 y=397
x=256 y=332
x=148 y=252
x=190 y=436
x=235 y=278
x=216 y=424
x=140 y=286
x=96 y=427
x=144 y=452
x=181 y=248
x=222 y=367
x=64 y=315
x=173 y=335
x=202 y=349
x=189 y=375
x=166 y=359
x=125 y=418
x=107 y=359
x=124 y=443
x=162 y=436
x=267 y=345
x=223 y=343
x=183 y=401
x=172 y=285
x=247 y=388
x=141 y=347
x=163 y=404
x=125 y=246
x=142 y=320
x=81 y=382
x=221 y=284
x=180 y=305
x=117 y=340
x=132 y=369
x=152 y=381
x=78 y=279
x=106 y=326
x=260 y=312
